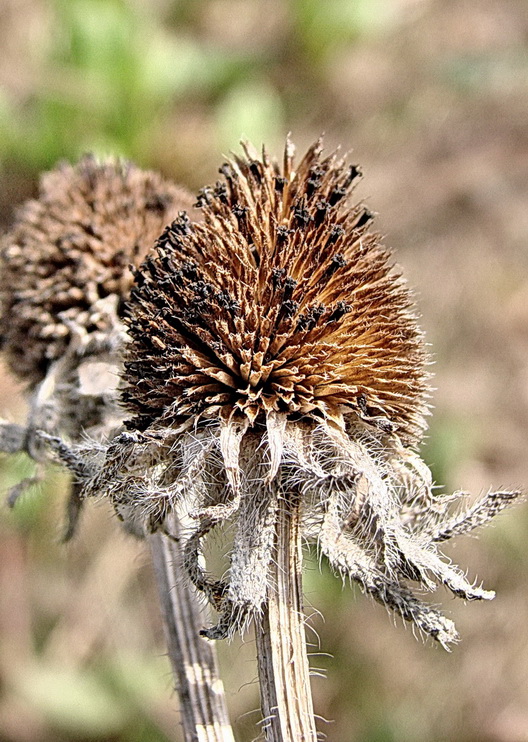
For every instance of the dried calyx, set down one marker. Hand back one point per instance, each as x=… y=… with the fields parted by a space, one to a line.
x=274 y=354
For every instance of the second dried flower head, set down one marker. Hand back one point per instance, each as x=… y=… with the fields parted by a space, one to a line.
x=64 y=275
x=274 y=354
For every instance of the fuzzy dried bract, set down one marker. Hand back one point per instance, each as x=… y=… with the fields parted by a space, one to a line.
x=274 y=354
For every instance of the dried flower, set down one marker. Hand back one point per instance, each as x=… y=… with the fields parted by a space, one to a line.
x=64 y=277
x=274 y=355
x=70 y=249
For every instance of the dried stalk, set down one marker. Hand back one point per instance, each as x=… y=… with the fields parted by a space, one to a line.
x=193 y=659
x=284 y=672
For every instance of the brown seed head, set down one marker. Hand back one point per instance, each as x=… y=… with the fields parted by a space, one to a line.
x=274 y=356
x=282 y=300
x=72 y=247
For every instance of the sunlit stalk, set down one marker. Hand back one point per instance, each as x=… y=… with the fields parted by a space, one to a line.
x=284 y=676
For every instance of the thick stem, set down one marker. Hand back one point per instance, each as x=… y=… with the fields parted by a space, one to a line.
x=284 y=671
x=193 y=659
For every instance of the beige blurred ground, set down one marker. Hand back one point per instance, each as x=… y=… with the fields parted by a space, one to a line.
x=433 y=100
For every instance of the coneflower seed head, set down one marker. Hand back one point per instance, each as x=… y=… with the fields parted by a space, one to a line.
x=282 y=301
x=71 y=247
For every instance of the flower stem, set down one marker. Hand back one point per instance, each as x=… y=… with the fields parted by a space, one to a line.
x=193 y=659
x=284 y=671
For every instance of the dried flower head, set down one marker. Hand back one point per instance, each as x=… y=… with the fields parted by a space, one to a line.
x=64 y=277
x=281 y=303
x=70 y=249
x=274 y=355
x=63 y=281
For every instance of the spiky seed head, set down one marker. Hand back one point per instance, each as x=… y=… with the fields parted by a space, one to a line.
x=73 y=246
x=273 y=355
x=281 y=301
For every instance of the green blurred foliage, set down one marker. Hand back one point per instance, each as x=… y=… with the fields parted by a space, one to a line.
x=110 y=72
x=74 y=702
x=324 y=27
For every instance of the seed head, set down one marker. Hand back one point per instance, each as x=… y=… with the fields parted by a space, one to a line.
x=71 y=248
x=63 y=280
x=274 y=355
x=281 y=301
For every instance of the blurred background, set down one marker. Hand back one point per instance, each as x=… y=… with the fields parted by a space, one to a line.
x=432 y=97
